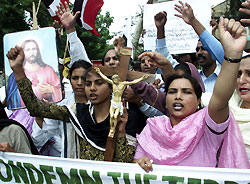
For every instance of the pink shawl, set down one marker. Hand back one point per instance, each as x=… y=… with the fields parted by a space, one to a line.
x=170 y=146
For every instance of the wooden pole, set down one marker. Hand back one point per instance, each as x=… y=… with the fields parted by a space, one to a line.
x=124 y=74
x=35 y=25
x=110 y=147
x=111 y=141
x=38 y=6
x=65 y=51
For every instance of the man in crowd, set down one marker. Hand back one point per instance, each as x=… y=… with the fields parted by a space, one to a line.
x=210 y=68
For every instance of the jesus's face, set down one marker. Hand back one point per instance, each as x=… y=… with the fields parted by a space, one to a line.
x=30 y=52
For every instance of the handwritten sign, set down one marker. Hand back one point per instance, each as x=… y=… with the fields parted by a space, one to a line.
x=180 y=37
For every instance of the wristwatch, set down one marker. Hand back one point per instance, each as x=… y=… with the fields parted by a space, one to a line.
x=231 y=60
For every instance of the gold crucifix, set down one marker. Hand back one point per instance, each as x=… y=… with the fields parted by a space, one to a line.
x=119 y=84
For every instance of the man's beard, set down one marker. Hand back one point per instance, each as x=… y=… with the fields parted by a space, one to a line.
x=31 y=61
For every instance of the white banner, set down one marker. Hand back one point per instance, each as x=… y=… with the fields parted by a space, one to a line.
x=180 y=37
x=22 y=168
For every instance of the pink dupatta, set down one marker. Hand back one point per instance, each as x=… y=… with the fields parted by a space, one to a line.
x=169 y=146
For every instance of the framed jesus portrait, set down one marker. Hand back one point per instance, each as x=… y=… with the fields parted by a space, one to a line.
x=40 y=66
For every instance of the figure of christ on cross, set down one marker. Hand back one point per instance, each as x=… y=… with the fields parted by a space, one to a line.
x=118 y=87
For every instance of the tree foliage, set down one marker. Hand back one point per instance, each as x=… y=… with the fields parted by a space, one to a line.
x=15 y=17
x=94 y=45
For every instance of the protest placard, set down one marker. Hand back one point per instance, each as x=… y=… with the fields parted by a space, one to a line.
x=180 y=37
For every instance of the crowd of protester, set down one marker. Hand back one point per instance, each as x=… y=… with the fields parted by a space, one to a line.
x=187 y=117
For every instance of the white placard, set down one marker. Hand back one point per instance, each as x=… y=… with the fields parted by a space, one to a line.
x=180 y=37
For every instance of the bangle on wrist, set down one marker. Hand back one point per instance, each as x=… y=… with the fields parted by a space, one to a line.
x=231 y=60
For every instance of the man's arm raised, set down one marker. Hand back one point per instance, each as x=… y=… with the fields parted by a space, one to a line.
x=161 y=47
x=76 y=48
x=187 y=14
x=160 y=21
x=67 y=18
x=209 y=42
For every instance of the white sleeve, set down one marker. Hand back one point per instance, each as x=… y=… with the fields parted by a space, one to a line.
x=161 y=47
x=41 y=135
x=76 y=49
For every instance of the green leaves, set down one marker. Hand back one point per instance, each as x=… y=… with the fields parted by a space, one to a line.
x=16 y=15
x=94 y=45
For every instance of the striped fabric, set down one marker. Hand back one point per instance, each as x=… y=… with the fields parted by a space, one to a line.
x=88 y=8
x=52 y=7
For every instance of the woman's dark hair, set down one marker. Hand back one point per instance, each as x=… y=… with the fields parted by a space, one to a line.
x=184 y=67
x=193 y=81
x=87 y=73
x=105 y=55
x=79 y=64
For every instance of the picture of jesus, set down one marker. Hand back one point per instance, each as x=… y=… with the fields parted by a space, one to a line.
x=45 y=81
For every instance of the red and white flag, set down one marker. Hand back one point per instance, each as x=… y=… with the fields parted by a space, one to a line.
x=89 y=10
x=52 y=7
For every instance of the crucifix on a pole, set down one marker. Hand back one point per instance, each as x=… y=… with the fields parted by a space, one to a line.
x=119 y=83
